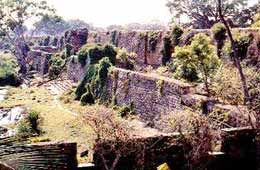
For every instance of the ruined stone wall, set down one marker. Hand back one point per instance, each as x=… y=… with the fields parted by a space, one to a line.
x=150 y=94
x=44 y=156
x=133 y=41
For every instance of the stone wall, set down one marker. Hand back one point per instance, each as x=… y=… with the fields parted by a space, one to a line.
x=150 y=94
x=44 y=156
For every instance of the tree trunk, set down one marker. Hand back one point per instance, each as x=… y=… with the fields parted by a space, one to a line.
x=236 y=59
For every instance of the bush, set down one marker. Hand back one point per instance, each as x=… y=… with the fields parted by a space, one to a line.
x=95 y=78
x=226 y=86
x=187 y=72
x=87 y=98
x=242 y=43
x=126 y=110
x=153 y=37
x=125 y=59
x=176 y=34
x=95 y=53
x=219 y=34
x=199 y=57
x=56 y=66
x=8 y=70
x=29 y=126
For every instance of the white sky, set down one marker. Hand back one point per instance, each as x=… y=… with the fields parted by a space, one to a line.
x=107 y=12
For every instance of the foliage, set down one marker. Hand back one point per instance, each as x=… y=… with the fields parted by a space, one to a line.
x=203 y=14
x=95 y=52
x=167 y=49
x=56 y=66
x=87 y=98
x=256 y=22
x=112 y=135
x=126 y=110
x=153 y=37
x=176 y=34
x=196 y=135
x=13 y=16
x=226 y=86
x=95 y=78
x=242 y=43
x=199 y=56
x=254 y=90
x=219 y=34
x=8 y=70
x=187 y=72
x=159 y=86
x=30 y=125
x=125 y=59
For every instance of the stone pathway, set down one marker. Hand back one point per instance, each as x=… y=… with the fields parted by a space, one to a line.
x=56 y=89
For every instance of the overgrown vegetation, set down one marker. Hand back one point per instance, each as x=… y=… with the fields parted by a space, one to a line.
x=8 y=70
x=167 y=49
x=56 y=66
x=125 y=59
x=176 y=34
x=94 y=82
x=29 y=126
x=219 y=34
x=95 y=52
x=197 y=59
x=242 y=42
x=153 y=37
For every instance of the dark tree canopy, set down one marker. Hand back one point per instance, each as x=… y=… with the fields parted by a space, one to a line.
x=203 y=13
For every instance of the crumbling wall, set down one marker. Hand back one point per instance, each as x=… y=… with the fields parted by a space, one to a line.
x=44 y=156
x=150 y=94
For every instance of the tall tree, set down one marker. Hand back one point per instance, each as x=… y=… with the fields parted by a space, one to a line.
x=204 y=14
x=236 y=59
x=13 y=16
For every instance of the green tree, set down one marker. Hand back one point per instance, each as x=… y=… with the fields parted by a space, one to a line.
x=203 y=13
x=200 y=55
x=13 y=16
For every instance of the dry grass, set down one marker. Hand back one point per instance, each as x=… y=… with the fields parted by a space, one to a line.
x=57 y=121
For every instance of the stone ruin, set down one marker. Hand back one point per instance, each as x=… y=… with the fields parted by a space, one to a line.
x=151 y=94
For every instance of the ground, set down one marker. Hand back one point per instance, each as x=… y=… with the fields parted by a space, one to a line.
x=61 y=119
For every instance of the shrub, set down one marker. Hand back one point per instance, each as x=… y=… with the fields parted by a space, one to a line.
x=29 y=126
x=125 y=59
x=219 y=34
x=95 y=53
x=95 y=78
x=226 y=86
x=33 y=119
x=153 y=37
x=196 y=135
x=56 y=66
x=8 y=70
x=176 y=34
x=187 y=72
x=126 y=110
x=242 y=42
x=87 y=98
x=167 y=49
x=198 y=57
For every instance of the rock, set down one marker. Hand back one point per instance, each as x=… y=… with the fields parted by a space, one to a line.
x=76 y=38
